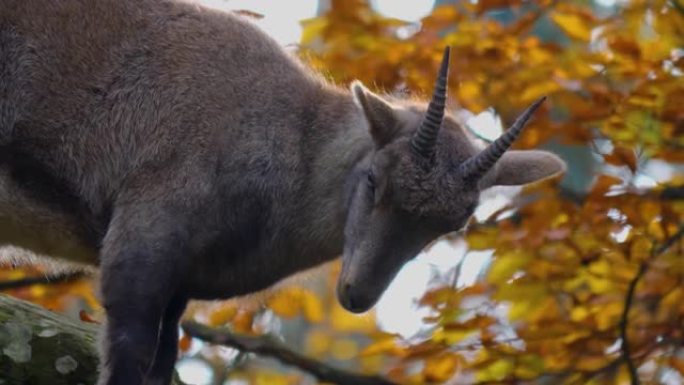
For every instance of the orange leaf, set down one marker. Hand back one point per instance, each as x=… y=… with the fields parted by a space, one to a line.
x=623 y=156
x=487 y=5
x=85 y=317
x=677 y=364
x=185 y=343
x=440 y=368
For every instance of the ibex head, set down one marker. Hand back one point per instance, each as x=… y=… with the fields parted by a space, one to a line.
x=424 y=180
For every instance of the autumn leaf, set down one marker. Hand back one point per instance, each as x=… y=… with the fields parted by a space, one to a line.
x=441 y=367
x=575 y=22
x=623 y=156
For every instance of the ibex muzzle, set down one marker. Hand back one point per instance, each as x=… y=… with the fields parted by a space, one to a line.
x=186 y=154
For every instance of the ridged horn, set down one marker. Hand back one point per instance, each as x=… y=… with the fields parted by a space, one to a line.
x=424 y=140
x=478 y=165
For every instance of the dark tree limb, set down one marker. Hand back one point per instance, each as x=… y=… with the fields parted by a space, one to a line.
x=40 y=280
x=625 y=347
x=270 y=347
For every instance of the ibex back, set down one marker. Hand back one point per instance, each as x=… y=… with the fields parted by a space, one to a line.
x=189 y=156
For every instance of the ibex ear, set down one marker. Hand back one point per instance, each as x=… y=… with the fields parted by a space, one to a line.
x=523 y=167
x=380 y=114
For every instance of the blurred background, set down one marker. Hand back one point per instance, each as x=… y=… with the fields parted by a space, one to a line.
x=548 y=283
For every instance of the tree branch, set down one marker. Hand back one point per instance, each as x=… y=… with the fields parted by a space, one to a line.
x=41 y=347
x=625 y=347
x=678 y=6
x=668 y=193
x=41 y=280
x=629 y=300
x=267 y=346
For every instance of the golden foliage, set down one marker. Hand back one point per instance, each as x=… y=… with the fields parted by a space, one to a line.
x=554 y=294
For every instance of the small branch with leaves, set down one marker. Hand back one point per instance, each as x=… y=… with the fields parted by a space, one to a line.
x=269 y=347
x=629 y=301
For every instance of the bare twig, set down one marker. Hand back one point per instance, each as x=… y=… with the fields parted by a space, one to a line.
x=624 y=320
x=672 y=193
x=669 y=193
x=270 y=347
x=678 y=6
x=41 y=280
x=629 y=300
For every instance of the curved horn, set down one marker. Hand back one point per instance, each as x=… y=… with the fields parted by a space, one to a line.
x=424 y=140
x=478 y=165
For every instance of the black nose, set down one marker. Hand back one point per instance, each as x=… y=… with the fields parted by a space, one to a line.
x=351 y=300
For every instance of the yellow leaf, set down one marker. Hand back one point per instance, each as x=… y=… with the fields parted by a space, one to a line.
x=579 y=313
x=497 y=371
x=673 y=298
x=383 y=346
x=285 y=303
x=345 y=321
x=529 y=366
x=222 y=315
x=640 y=249
x=482 y=239
x=608 y=315
x=312 y=307
x=573 y=25
x=292 y=301
x=273 y=378
x=601 y=268
x=317 y=343
x=312 y=29
x=588 y=362
x=451 y=337
x=506 y=265
x=371 y=364
x=469 y=93
x=599 y=285
x=344 y=349
x=538 y=89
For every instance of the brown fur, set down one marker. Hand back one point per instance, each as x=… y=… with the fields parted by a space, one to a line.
x=186 y=154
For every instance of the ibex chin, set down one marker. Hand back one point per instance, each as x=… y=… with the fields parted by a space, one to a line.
x=186 y=154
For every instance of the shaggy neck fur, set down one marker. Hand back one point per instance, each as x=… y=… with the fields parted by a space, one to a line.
x=344 y=147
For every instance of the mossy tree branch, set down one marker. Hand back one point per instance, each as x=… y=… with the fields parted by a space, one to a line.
x=40 y=347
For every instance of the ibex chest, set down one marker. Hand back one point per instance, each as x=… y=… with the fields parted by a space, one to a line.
x=31 y=225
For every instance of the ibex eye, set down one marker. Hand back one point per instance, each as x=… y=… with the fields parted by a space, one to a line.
x=371 y=179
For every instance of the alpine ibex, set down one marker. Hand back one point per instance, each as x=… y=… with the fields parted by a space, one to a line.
x=189 y=156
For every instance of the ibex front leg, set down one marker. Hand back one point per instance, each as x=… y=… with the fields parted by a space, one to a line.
x=167 y=348
x=140 y=265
